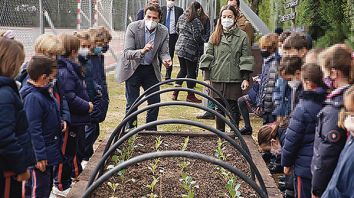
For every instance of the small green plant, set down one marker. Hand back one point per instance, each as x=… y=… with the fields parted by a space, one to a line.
x=153 y=166
x=219 y=153
x=113 y=186
x=233 y=190
x=152 y=186
x=158 y=143
x=188 y=185
x=183 y=165
x=185 y=144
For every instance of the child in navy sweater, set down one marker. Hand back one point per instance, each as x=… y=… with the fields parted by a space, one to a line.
x=44 y=124
x=297 y=150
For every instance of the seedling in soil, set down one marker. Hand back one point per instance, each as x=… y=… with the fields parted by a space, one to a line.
x=153 y=166
x=219 y=153
x=158 y=143
x=185 y=144
x=152 y=186
x=113 y=186
x=183 y=165
x=233 y=190
x=188 y=185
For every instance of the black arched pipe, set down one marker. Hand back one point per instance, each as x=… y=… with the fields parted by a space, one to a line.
x=227 y=105
x=159 y=92
x=100 y=165
x=261 y=191
x=121 y=126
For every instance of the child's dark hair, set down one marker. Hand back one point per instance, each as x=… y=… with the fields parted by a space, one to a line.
x=295 y=41
x=283 y=36
x=290 y=64
x=313 y=73
x=40 y=65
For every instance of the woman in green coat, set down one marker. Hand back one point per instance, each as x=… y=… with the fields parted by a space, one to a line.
x=227 y=62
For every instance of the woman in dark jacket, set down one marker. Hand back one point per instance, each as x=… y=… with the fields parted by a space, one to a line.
x=16 y=153
x=190 y=38
x=330 y=139
x=298 y=145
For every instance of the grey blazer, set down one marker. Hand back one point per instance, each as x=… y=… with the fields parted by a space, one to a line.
x=134 y=42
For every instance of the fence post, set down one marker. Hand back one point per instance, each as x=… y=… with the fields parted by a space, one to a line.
x=90 y=13
x=126 y=14
x=78 y=15
x=41 y=19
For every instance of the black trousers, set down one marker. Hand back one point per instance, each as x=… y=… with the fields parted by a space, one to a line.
x=187 y=69
x=172 y=44
x=144 y=76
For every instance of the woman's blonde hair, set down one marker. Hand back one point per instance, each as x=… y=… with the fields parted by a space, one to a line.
x=269 y=41
x=48 y=44
x=12 y=56
x=348 y=96
x=70 y=43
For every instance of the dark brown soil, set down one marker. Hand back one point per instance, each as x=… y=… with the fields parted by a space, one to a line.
x=211 y=183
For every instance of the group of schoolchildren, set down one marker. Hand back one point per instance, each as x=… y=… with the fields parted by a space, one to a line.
x=306 y=99
x=50 y=110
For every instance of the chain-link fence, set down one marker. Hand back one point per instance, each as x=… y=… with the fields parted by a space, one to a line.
x=30 y=18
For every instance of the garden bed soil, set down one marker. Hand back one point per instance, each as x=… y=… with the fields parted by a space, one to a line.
x=208 y=177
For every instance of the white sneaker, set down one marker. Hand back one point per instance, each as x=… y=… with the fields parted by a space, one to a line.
x=63 y=193
x=84 y=164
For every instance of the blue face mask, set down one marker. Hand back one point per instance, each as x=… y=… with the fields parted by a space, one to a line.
x=105 y=48
x=97 y=50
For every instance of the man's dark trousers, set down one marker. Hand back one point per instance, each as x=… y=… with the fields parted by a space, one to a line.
x=172 y=44
x=144 y=76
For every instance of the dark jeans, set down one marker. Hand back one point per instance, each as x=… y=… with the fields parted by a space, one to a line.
x=187 y=69
x=172 y=44
x=242 y=104
x=144 y=76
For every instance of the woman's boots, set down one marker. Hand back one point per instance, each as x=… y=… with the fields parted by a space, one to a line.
x=190 y=97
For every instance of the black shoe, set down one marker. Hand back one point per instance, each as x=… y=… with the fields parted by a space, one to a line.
x=282 y=178
x=282 y=186
x=206 y=116
x=246 y=131
x=266 y=157
x=277 y=168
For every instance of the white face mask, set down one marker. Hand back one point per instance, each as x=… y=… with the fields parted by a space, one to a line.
x=349 y=124
x=294 y=83
x=280 y=51
x=150 y=25
x=84 y=51
x=170 y=4
x=227 y=23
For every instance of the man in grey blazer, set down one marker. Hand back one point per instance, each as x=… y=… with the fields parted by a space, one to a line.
x=146 y=41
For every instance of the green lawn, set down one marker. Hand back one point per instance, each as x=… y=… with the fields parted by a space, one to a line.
x=116 y=110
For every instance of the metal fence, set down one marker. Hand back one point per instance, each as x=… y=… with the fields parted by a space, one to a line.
x=30 y=18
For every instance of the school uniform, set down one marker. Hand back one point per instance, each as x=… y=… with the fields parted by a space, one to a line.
x=329 y=141
x=71 y=81
x=44 y=123
x=16 y=153
x=298 y=145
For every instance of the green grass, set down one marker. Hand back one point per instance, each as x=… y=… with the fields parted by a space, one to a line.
x=116 y=110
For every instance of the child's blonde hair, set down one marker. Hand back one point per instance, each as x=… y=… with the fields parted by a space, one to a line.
x=12 y=56
x=348 y=96
x=48 y=44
